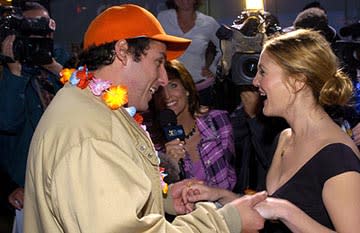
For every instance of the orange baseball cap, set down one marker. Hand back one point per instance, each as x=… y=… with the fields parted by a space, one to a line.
x=130 y=21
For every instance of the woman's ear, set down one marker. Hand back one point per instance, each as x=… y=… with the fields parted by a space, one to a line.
x=121 y=48
x=298 y=83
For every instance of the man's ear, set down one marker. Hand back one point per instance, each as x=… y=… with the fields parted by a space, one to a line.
x=121 y=48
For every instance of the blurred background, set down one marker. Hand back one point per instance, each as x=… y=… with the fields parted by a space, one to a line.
x=73 y=16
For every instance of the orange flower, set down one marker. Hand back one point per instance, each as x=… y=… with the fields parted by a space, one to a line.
x=138 y=118
x=115 y=97
x=84 y=77
x=65 y=75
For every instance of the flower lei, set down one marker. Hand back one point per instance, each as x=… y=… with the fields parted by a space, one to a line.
x=164 y=185
x=113 y=96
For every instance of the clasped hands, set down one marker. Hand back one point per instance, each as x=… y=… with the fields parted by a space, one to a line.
x=253 y=209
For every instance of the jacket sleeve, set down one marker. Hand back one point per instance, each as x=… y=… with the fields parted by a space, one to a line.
x=98 y=187
x=12 y=100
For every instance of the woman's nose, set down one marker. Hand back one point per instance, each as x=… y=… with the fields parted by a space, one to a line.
x=256 y=81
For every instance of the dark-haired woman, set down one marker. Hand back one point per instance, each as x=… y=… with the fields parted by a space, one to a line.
x=208 y=148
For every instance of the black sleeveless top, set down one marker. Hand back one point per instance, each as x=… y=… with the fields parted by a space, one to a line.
x=304 y=189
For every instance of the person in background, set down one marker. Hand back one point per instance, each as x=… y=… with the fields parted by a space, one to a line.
x=315 y=172
x=208 y=148
x=183 y=19
x=350 y=45
x=255 y=137
x=92 y=167
x=26 y=89
x=314 y=17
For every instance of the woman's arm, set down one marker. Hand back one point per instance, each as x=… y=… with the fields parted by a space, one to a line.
x=201 y=192
x=292 y=216
x=341 y=195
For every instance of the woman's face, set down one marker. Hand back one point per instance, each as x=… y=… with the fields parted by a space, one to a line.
x=185 y=4
x=175 y=96
x=270 y=79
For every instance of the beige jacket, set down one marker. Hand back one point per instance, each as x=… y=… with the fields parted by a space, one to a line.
x=91 y=169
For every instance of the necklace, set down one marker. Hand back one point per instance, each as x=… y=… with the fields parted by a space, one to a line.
x=191 y=133
x=113 y=96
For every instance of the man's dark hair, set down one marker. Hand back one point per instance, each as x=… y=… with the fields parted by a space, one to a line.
x=97 y=56
x=316 y=19
x=27 y=6
x=314 y=4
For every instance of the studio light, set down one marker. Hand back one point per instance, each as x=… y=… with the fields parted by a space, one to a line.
x=254 y=5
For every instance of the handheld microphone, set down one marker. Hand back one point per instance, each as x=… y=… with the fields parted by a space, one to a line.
x=171 y=130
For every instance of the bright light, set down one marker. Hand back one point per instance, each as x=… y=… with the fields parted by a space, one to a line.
x=254 y=5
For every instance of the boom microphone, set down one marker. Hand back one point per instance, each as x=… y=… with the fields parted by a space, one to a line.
x=168 y=122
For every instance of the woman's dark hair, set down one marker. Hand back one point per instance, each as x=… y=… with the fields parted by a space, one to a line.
x=176 y=70
x=170 y=4
x=97 y=56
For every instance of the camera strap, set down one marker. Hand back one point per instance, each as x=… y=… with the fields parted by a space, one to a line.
x=44 y=88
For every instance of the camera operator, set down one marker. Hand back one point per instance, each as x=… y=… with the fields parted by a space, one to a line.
x=27 y=84
x=255 y=135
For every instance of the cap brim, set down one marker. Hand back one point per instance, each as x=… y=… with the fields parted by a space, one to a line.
x=175 y=46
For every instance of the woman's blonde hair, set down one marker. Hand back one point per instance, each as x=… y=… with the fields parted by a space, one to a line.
x=306 y=52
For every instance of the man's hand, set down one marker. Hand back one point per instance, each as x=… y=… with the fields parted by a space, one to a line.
x=7 y=50
x=175 y=190
x=251 y=220
x=206 y=72
x=53 y=67
x=16 y=198
x=251 y=102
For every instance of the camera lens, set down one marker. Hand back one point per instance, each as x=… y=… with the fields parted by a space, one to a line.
x=244 y=68
x=250 y=67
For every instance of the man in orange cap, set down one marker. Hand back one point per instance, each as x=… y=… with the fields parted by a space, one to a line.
x=91 y=166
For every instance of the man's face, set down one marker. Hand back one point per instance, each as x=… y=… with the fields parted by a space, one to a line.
x=145 y=77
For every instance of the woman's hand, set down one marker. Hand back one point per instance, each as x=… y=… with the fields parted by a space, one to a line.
x=176 y=191
x=175 y=149
x=272 y=208
x=201 y=192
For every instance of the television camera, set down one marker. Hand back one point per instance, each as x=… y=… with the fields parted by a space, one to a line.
x=241 y=44
x=30 y=46
x=348 y=51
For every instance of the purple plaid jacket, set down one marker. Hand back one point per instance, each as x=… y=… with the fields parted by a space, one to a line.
x=216 y=149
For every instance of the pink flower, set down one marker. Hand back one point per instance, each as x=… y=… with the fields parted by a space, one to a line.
x=97 y=86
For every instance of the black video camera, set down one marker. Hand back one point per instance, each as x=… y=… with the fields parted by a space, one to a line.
x=348 y=51
x=30 y=46
x=241 y=44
